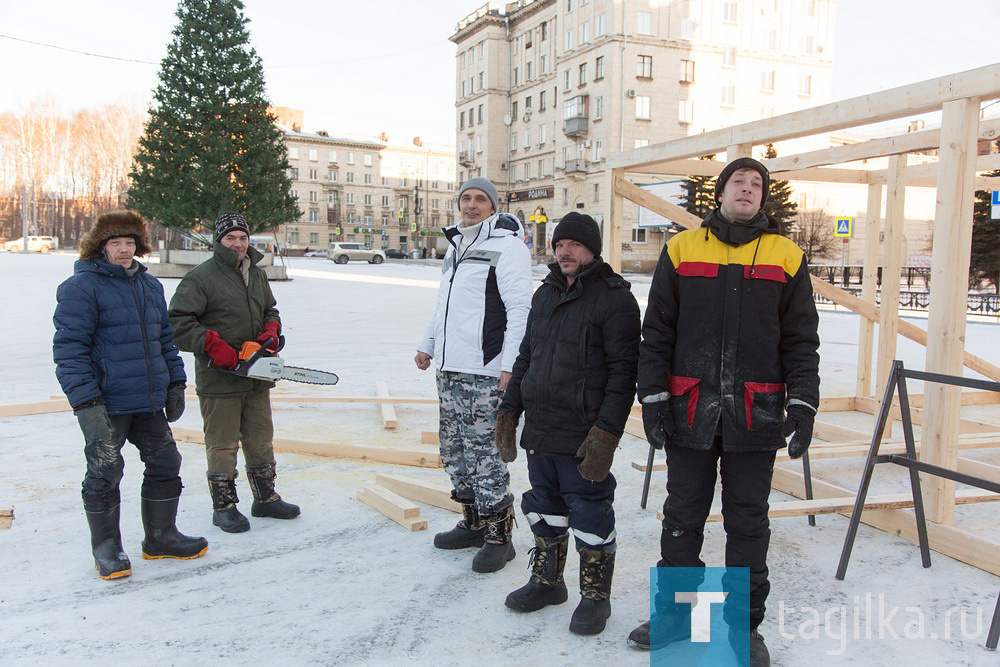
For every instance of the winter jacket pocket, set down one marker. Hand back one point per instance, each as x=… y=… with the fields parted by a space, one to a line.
x=678 y=386
x=763 y=402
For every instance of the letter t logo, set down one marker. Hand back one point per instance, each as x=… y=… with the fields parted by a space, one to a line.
x=701 y=611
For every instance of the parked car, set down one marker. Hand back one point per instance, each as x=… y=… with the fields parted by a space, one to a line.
x=342 y=253
x=392 y=253
x=35 y=244
x=317 y=253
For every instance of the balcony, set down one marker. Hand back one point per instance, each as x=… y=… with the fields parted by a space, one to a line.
x=576 y=169
x=576 y=126
x=467 y=158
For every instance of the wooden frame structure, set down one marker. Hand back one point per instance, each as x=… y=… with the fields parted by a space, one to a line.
x=955 y=176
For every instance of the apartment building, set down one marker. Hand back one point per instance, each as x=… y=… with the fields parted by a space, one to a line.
x=547 y=89
x=383 y=194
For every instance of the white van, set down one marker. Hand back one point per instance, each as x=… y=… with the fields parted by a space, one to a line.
x=35 y=244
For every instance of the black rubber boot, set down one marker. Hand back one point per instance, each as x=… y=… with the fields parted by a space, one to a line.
x=470 y=531
x=163 y=540
x=224 y=499
x=546 y=585
x=597 y=568
x=110 y=560
x=497 y=550
x=266 y=501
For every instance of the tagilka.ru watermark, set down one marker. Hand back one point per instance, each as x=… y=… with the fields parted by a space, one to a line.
x=873 y=618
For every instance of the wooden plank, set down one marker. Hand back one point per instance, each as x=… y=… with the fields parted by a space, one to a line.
x=400 y=510
x=966 y=426
x=836 y=404
x=633 y=426
x=413 y=456
x=641 y=466
x=869 y=286
x=898 y=102
x=37 y=408
x=397 y=400
x=892 y=260
x=833 y=433
x=978 y=551
x=845 y=504
x=6 y=518
x=429 y=493
x=611 y=246
x=980 y=469
x=430 y=438
x=388 y=412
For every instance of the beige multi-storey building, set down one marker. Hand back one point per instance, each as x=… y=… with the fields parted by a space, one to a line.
x=546 y=89
x=380 y=193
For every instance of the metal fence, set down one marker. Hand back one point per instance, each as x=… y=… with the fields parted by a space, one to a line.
x=978 y=304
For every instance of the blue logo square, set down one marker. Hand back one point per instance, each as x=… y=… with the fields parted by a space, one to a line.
x=699 y=616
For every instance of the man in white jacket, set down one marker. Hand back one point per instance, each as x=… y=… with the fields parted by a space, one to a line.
x=478 y=324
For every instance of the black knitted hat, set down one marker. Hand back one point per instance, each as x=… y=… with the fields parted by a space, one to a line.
x=579 y=227
x=736 y=165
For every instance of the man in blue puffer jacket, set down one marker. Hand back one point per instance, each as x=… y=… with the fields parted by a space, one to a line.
x=117 y=364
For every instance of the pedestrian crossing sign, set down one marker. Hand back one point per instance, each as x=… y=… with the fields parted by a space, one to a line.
x=844 y=227
x=995 y=205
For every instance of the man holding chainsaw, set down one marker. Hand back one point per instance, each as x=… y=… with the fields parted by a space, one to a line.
x=218 y=306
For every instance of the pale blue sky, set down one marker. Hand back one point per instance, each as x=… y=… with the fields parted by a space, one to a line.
x=364 y=67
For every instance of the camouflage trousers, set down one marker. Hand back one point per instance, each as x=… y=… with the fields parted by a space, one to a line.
x=467 y=430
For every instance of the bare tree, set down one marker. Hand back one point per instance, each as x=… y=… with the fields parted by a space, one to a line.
x=816 y=235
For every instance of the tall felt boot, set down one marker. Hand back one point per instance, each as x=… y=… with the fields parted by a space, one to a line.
x=224 y=499
x=110 y=560
x=597 y=568
x=546 y=585
x=266 y=501
x=163 y=540
x=498 y=548
x=470 y=531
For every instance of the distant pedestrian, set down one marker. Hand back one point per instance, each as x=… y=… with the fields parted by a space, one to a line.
x=117 y=364
x=478 y=323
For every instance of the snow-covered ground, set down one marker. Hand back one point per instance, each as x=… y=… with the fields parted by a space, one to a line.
x=344 y=585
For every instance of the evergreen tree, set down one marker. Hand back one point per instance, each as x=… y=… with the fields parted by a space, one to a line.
x=779 y=204
x=699 y=193
x=984 y=263
x=210 y=144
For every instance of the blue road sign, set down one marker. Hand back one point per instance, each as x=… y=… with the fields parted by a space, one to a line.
x=844 y=227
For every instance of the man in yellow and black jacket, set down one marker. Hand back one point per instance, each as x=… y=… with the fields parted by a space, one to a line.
x=729 y=365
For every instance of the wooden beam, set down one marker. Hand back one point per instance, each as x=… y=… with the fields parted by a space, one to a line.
x=836 y=404
x=612 y=236
x=892 y=261
x=845 y=504
x=388 y=412
x=869 y=406
x=925 y=175
x=869 y=287
x=833 y=433
x=37 y=408
x=414 y=456
x=949 y=299
x=397 y=400
x=978 y=551
x=399 y=509
x=429 y=493
x=430 y=438
x=899 y=102
x=6 y=518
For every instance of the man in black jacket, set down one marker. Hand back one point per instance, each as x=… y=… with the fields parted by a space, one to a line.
x=728 y=367
x=574 y=379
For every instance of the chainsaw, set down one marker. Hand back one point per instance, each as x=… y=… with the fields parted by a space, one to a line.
x=257 y=363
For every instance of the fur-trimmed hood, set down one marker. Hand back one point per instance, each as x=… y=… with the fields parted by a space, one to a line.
x=110 y=225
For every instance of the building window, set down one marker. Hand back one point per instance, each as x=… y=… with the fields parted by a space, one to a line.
x=767 y=81
x=350 y=198
x=385 y=180
x=585 y=32
x=583 y=74
x=569 y=40
x=598 y=108
x=482 y=80
x=771 y=40
x=638 y=235
x=729 y=11
x=565 y=197
x=545 y=30
x=807 y=45
x=644 y=23
x=350 y=177
x=368 y=200
x=293 y=238
x=527 y=104
x=569 y=6
x=313 y=196
x=601 y=26
x=313 y=236
x=541 y=134
x=513 y=141
x=687 y=71
x=313 y=154
x=479 y=143
x=576 y=107
x=642 y=107
x=480 y=110
x=368 y=179
x=644 y=67
x=313 y=174
x=385 y=200
x=597 y=151
x=543 y=65
x=461 y=59
x=517 y=76
x=641 y=143
x=482 y=50
x=541 y=100
x=729 y=56
x=331 y=175
x=688 y=28
x=293 y=153
x=541 y=168
x=461 y=121
x=567 y=79
x=350 y=158
x=599 y=69
x=685 y=112
x=527 y=171
x=729 y=96
x=527 y=137
x=597 y=193
x=527 y=71
x=368 y=159
x=805 y=85
x=809 y=8
x=333 y=156
x=331 y=198
x=294 y=173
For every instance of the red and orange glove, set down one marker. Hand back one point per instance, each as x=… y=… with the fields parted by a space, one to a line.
x=220 y=351
x=271 y=330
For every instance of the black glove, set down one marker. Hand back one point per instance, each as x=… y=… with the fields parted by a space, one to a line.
x=798 y=420
x=175 y=400
x=597 y=452
x=94 y=421
x=507 y=436
x=658 y=423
